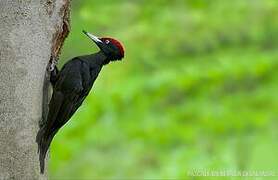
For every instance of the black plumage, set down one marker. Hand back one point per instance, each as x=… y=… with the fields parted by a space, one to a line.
x=71 y=86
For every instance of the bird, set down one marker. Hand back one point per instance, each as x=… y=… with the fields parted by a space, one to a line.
x=71 y=85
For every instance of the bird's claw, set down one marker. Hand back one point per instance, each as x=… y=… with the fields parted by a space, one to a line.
x=51 y=65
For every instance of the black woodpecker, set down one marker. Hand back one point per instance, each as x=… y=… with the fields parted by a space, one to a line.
x=71 y=86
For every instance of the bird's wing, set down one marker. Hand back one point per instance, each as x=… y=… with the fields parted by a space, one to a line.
x=62 y=107
x=55 y=106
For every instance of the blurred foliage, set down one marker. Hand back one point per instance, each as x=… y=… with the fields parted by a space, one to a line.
x=196 y=90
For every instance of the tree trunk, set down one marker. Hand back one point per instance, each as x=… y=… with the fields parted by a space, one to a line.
x=31 y=32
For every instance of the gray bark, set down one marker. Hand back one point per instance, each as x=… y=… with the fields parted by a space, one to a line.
x=31 y=32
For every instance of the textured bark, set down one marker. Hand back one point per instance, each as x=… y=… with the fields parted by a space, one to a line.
x=31 y=34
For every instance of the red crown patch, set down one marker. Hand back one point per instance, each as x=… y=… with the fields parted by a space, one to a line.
x=117 y=43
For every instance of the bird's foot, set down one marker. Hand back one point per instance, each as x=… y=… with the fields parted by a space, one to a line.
x=51 y=65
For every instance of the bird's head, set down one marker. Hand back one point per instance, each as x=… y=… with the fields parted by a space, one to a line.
x=112 y=48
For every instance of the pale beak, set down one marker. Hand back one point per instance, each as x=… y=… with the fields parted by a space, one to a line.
x=93 y=37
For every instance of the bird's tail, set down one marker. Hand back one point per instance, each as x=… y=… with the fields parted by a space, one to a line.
x=43 y=139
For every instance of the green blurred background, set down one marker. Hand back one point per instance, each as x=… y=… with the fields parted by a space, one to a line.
x=198 y=89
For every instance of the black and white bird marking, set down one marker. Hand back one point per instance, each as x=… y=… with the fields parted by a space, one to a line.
x=71 y=86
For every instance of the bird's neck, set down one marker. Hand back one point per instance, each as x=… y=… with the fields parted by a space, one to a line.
x=103 y=58
x=98 y=58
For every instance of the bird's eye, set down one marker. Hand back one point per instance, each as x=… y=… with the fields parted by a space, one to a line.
x=107 y=41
